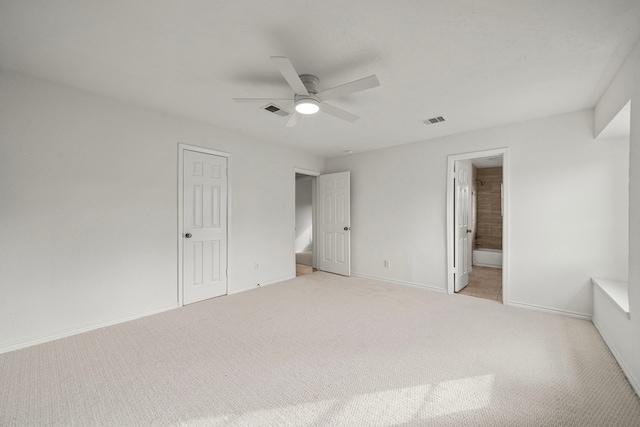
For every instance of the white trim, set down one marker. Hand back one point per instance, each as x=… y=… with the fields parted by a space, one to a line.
x=399 y=282
x=195 y=148
x=259 y=285
x=314 y=216
x=306 y=172
x=181 y=149
x=452 y=158
x=237 y=291
x=17 y=345
x=278 y=280
x=567 y=313
x=615 y=291
x=635 y=384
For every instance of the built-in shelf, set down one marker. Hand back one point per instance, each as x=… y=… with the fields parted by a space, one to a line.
x=616 y=290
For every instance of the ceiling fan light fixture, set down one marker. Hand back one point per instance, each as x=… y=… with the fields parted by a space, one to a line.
x=307 y=106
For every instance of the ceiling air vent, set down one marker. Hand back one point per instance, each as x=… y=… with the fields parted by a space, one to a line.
x=433 y=120
x=272 y=108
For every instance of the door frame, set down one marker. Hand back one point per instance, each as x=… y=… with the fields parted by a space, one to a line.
x=314 y=216
x=451 y=159
x=181 y=149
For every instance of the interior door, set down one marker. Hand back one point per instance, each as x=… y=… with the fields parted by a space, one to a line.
x=462 y=213
x=204 y=264
x=334 y=223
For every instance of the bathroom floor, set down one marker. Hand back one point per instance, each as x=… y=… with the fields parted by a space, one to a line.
x=302 y=269
x=484 y=282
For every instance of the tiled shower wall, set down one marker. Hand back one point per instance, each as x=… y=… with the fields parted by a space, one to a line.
x=489 y=208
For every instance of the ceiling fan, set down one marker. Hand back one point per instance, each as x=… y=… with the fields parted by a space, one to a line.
x=307 y=99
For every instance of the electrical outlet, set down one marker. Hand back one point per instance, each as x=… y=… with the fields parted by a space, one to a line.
x=387 y=263
x=256 y=267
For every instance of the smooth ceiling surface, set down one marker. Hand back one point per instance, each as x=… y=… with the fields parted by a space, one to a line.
x=478 y=64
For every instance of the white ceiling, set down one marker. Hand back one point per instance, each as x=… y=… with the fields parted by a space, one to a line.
x=478 y=64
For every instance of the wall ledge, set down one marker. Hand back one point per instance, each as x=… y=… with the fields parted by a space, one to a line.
x=617 y=292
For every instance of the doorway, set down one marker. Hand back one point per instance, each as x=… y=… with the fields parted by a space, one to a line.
x=477 y=224
x=304 y=220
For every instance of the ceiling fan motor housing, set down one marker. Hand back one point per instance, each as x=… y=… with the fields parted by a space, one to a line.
x=308 y=104
x=310 y=82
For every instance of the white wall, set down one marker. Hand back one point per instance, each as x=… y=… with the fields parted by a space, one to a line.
x=88 y=208
x=624 y=87
x=564 y=224
x=304 y=218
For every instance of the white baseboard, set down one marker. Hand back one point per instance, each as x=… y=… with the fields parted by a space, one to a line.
x=17 y=345
x=583 y=316
x=635 y=384
x=237 y=291
x=399 y=282
x=266 y=283
x=281 y=279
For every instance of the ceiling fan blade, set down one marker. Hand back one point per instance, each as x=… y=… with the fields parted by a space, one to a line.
x=267 y=100
x=338 y=112
x=290 y=74
x=293 y=120
x=349 y=88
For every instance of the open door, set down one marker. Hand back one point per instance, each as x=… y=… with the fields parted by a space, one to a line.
x=462 y=214
x=204 y=226
x=334 y=223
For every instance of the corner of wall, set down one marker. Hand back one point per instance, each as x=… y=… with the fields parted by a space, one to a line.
x=616 y=95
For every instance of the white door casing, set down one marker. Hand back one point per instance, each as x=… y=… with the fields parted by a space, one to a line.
x=451 y=220
x=462 y=209
x=334 y=223
x=204 y=226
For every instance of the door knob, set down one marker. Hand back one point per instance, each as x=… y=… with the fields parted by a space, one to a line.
x=188 y=235
x=468 y=231
x=347 y=228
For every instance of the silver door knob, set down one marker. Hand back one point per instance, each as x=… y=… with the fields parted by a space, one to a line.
x=188 y=235
x=347 y=228
x=469 y=231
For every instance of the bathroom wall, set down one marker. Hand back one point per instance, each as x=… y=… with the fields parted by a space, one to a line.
x=489 y=212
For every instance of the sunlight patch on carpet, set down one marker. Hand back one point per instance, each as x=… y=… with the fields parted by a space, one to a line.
x=375 y=409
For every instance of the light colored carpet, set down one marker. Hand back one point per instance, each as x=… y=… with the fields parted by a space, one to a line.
x=324 y=350
x=305 y=258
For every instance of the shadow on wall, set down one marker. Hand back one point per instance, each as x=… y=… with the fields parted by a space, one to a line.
x=304 y=212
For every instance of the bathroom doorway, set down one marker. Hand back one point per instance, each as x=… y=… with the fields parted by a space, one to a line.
x=304 y=232
x=477 y=219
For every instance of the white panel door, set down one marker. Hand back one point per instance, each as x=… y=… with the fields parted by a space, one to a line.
x=462 y=212
x=334 y=223
x=204 y=263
